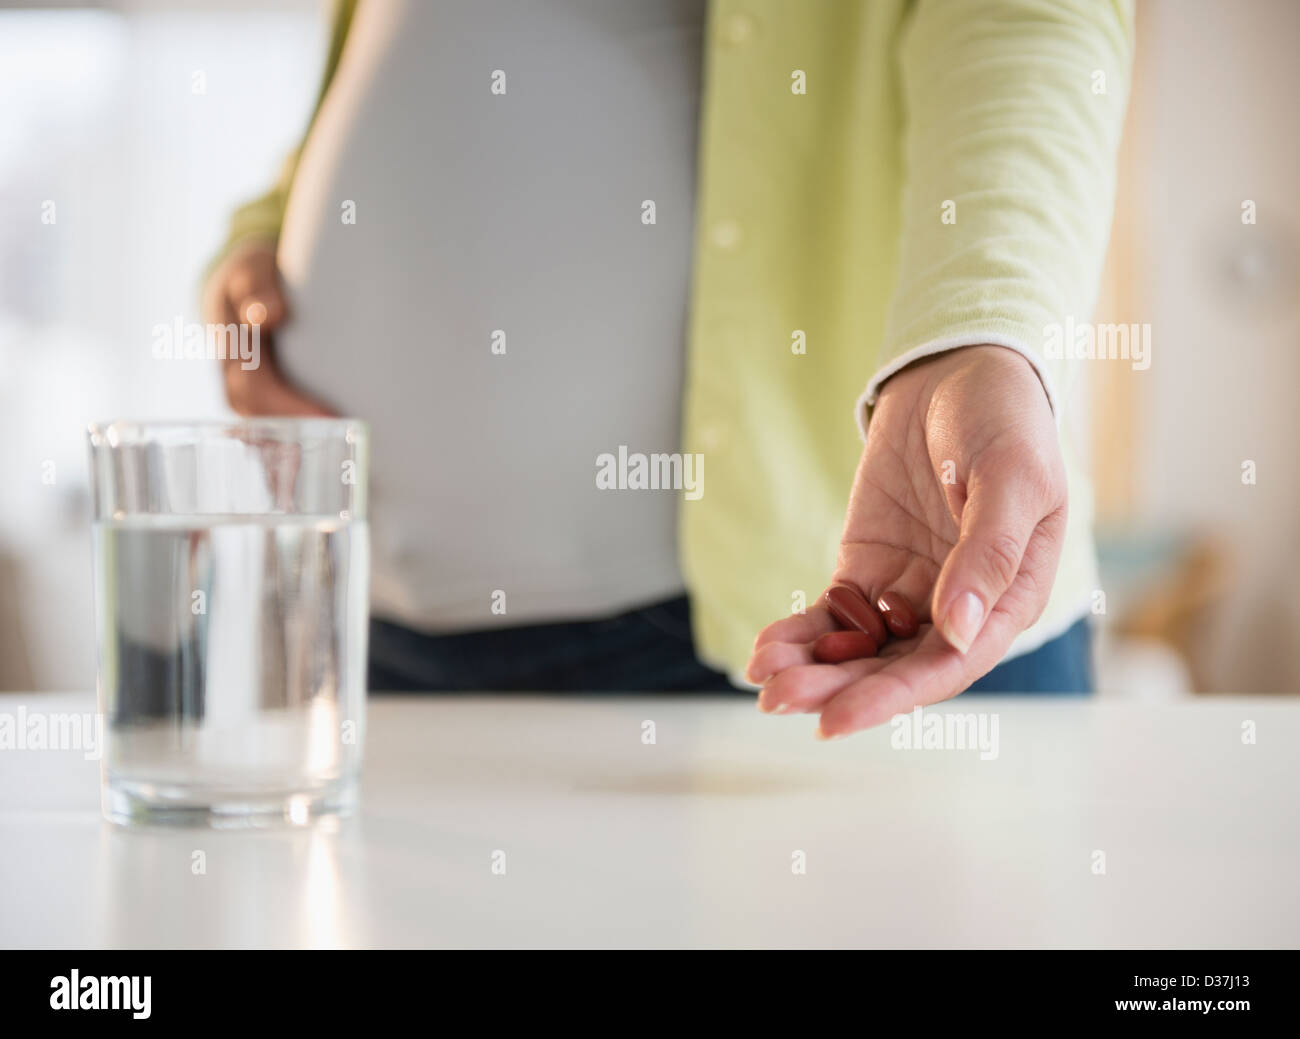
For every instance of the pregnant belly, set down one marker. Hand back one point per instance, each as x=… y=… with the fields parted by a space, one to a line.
x=429 y=221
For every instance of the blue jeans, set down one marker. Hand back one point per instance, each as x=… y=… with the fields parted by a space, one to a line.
x=1061 y=666
x=644 y=650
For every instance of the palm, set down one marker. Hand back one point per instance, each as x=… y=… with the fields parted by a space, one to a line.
x=899 y=528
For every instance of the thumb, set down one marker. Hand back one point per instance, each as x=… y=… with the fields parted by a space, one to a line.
x=1001 y=512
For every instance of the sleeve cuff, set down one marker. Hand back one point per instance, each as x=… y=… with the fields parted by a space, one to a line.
x=939 y=346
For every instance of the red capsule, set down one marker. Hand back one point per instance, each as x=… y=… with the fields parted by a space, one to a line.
x=899 y=616
x=853 y=611
x=835 y=647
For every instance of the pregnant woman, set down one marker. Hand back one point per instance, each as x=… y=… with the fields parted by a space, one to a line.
x=525 y=239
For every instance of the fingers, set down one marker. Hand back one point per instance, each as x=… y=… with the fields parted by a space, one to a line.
x=931 y=672
x=787 y=643
x=774 y=657
x=922 y=670
x=1001 y=512
x=798 y=627
x=795 y=680
x=807 y=688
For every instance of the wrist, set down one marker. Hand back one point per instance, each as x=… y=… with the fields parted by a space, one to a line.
x=930 y=371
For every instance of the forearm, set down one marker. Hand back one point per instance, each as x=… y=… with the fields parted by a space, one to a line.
x=1013 y=113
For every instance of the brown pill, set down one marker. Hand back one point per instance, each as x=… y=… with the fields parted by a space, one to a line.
x=853 y=611
x=835 y=647
x=899 y=616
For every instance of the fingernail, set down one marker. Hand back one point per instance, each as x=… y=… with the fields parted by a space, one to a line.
x=820 y=735
x=963 y=621
x=782 y=708
x=255 y=312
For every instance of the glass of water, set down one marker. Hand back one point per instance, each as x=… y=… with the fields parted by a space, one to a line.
x=231 y=586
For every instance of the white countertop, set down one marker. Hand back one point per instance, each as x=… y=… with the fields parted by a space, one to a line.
x=690 y=841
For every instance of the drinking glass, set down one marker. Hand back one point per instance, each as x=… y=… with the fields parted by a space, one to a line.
x=231 y=602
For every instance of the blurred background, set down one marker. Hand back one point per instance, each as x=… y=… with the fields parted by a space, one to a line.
x=131 y=129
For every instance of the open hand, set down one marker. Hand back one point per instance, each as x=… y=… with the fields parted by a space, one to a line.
x=959 y=503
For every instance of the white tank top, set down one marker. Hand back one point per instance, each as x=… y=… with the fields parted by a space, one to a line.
x=519 y=212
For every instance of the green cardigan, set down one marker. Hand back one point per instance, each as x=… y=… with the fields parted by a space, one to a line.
x=879 y=179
